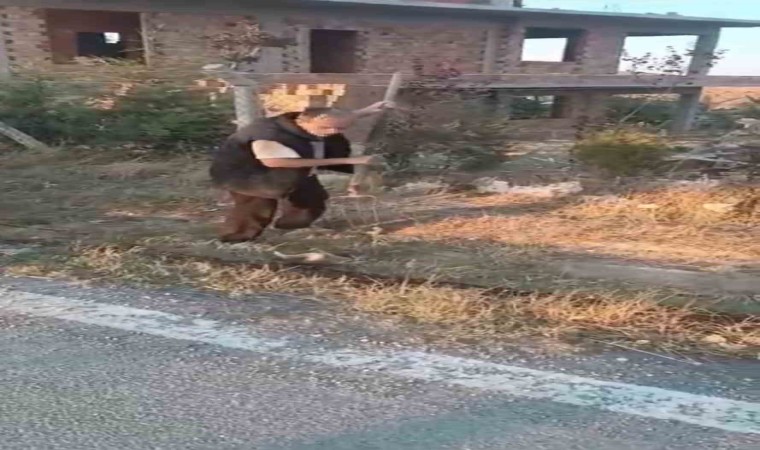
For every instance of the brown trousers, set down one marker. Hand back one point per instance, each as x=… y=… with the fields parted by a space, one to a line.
x=255 y=207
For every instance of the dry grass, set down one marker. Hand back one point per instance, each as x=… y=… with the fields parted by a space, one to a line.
x=669 y=225
x=686 y=205
x=640 y=319
x=608 y=237
x=136 y=169
x=729 y=97
x=167 y=207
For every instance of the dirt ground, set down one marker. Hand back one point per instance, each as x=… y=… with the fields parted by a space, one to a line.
x=68 y=204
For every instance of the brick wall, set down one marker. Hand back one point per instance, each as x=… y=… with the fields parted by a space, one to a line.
x=25 y=35
x=382 y=46
x=459 y=46
x=385 y=43
x=181 y=39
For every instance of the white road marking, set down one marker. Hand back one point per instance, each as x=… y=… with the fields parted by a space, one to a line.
x=714 y=412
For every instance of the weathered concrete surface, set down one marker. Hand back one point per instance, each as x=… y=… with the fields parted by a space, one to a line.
x=69 y=385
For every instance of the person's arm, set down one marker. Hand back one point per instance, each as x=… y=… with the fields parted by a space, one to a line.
x=277 y=156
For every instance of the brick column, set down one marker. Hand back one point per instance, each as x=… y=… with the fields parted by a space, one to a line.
x=25 y=35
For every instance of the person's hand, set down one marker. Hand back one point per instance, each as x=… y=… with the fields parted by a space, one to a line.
x=377 y=107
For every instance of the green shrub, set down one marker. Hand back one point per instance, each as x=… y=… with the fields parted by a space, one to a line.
x=656 y=113
x=49 y=112
x=161 y=115
x=726 y=119
x=622 y=152
x=167 y=117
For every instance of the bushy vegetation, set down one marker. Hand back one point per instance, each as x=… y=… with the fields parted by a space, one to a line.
x=162 y=115
x=442 y=130
x=652 y=112
x=622 y=152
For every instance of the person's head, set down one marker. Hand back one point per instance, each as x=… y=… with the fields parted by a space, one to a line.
x=323 y=122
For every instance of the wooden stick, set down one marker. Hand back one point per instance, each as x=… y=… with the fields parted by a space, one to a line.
x=393 y=87
x=360 y=172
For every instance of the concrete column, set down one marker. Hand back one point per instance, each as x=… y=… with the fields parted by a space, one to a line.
x=5 y=62
x=702 y=61
x=503 y=104
x=491 y=50
x=589 y=105
x=147 y=39
x=688 y=107
x=512 y=51
x=303 y=44
x=246 y=105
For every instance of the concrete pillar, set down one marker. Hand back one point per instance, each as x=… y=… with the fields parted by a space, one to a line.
x=246 y=105
x=303 y=44
x=686 y=112
x=562 y=107
x=5 y=62
x=500 y=103
x=491 y=50
x=704 y=50
x=147 y=39
x=589 y=105
x=513 y=47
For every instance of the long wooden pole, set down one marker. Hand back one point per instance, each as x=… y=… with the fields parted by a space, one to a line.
x=360 y=172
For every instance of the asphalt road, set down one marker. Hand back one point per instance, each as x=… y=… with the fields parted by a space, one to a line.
x=85 y=368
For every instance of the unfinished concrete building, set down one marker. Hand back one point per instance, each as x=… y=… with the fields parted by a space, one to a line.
x=328 y=46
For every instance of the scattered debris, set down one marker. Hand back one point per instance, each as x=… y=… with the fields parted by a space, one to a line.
x=312 y=258
x=7 y=250
x=494 y=186
x=714 y=339
x=734 y=151
x=421 y=187
x=721 y=208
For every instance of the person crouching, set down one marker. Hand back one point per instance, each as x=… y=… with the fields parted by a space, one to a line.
x=272 y=164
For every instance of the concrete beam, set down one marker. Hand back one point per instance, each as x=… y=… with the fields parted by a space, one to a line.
x=510 y=81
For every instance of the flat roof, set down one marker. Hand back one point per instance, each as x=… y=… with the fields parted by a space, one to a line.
x=490 y=10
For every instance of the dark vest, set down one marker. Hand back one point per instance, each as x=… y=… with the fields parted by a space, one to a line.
x=235 y=159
